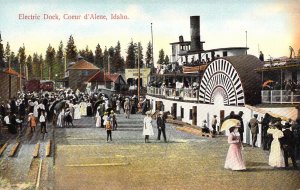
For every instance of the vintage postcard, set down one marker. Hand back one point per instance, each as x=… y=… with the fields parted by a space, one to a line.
x=125 y=95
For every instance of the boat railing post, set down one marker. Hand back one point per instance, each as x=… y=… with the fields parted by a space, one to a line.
x=281 y=96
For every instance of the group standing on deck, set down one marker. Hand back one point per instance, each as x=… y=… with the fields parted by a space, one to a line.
x=282 y=146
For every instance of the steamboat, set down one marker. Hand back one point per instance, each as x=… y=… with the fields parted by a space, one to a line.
x=202 y=83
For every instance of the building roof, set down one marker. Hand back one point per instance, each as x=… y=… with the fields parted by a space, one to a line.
x=10 y=71
x=109 y=77
x=83 y=65
x=113 y=77
x=99 y=77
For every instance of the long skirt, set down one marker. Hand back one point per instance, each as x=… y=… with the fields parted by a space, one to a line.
x=234 y=159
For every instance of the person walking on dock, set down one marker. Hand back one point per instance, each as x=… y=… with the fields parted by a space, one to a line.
x=253 y=125
x=108 y=128
x=31 y=122
x=127 y=108
x=147 y=128
x=161 y=126
x=234 y=158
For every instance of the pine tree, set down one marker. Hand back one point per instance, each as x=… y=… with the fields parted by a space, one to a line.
x=29 y=67
x=161 y=57
x=105 y=59
x=14 y=62
x=71 y=50
x=2 y=60
x=81 y=53
x=140 y=56
x=148 y=58
x=117 y=60
x=35 y=66
x=41 y=67
x=89 y=55
x=98 y=57
x=22 y=59
x=130 y=59
x=59 y=68
x=111 y=66
x=50 y=61
x=167 y=60
x=7 y=55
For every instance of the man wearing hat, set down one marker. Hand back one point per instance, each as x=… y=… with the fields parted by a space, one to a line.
x=214 y=122
x=241 y=129
x=127 y=108
x=113 y=120
x=288 y=143
x=253 y=124
x=205 y=129
x=161 y=126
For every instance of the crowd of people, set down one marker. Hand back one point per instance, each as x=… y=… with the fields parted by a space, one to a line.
x=281 y=140
x=289 y=85
x=62 y=107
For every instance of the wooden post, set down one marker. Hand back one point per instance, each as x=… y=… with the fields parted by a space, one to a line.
x=174 y=110
x=158 y=105
x=194 y=115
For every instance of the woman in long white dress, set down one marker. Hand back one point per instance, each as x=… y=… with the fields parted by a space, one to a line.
x=98 y=118
x=83 y=107
x=60 y=118
x=77 y=114
x=35 y=109
x=147 y=128
x=105 y=117
x=276 y=158
x=118 y=106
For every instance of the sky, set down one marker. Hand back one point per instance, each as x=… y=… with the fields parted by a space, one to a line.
x=271 y=25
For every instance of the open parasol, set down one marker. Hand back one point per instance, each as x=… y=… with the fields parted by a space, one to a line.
x=228 y=123
x=267 y=82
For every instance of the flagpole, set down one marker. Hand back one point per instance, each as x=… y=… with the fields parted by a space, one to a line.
x=139 y=72
x=152 y=66
x=246 y=42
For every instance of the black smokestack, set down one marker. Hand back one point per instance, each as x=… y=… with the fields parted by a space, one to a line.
x=195 y=33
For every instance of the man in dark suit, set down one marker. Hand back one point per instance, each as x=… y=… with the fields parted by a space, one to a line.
x=161 y=126
x=288 y=145
x=253 y=125
x=241 y=129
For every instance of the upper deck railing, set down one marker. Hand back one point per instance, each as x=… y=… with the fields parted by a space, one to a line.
x=280 y=96
x=182 y=93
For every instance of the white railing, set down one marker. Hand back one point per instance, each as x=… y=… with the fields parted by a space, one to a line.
x=280 y=96
x=184 y=93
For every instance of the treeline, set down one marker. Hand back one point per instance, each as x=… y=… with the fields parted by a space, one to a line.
x=52 y=65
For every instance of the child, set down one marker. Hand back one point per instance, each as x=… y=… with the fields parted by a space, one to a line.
x=108 y=128
x=31 y=122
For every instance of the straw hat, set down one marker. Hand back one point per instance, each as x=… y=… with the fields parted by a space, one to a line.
x=148 y=112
